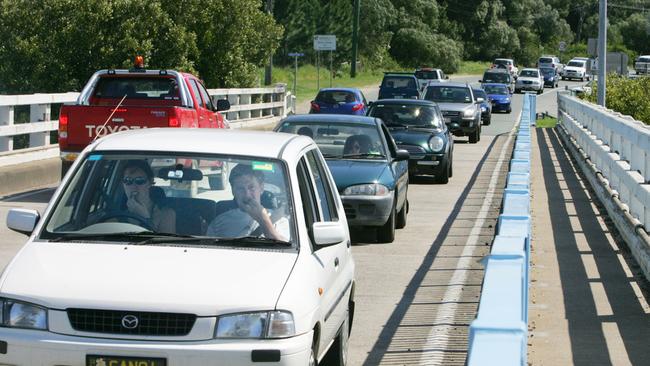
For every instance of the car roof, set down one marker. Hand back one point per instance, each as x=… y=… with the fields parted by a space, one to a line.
x=503 y=71
x=453 y=84
x=405 y=101
x=505 y=59
x=399 y=74
x=352 y=90
x=204 y=140
x=331 y=118
x=530 y=69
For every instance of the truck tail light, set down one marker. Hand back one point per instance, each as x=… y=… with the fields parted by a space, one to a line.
x=315 y=107
x=173 y=119
x=63 y=128
x=357 y=107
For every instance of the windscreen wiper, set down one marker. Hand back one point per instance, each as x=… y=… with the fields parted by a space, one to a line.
x=207 y=240
x=397 y=125
x=364 y=155
x=128 y=236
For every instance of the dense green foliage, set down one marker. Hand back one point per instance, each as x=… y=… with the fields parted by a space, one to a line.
x=55 y=45
x=627 y=96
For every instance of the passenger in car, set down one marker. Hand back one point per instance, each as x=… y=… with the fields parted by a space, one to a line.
x=143 y=201
x=357 y=144
x=250 y=218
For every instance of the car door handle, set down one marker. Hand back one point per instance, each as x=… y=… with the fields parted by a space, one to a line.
x=336 y=262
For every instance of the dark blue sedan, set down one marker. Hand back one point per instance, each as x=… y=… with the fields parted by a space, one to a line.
x=371 y=174
x=486 y=106
x=500 y=96
x=419 y=128
x=339 y=101
x=551 y=77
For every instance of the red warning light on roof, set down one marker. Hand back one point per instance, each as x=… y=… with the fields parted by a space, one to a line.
x=139 y=62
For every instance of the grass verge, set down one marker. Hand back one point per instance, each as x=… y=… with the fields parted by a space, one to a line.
x=473 y=67
x=546 y=122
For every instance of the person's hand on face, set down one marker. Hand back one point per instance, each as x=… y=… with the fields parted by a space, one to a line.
x=136 y=188
x=247 y=191
x=135 y=206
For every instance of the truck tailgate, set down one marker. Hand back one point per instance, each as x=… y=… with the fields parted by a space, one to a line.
x=85 y=122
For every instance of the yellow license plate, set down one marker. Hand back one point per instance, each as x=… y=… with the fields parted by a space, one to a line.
x=97 y=360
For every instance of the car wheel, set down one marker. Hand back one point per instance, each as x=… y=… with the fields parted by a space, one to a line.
x=517 y=91
x=509 y=110
x=65 y=166
x=443 y=178
x=488 y=121
x=400 y=221
x=386 y=233
x=312 y=356
x=473 y=138
x=563 y=78
x=338 y=353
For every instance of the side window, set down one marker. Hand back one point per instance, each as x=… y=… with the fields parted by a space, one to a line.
x=323 y=188
x=206 y=97
x=196 y=92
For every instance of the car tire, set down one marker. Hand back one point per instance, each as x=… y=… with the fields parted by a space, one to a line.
x=386 y=233
x=400 y=221
x=337 y=355
x=488 y=121
x=517 y=91
x=312 y=356
x=65 y=166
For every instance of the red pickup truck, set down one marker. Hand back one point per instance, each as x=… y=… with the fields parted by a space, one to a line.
x=119 y=100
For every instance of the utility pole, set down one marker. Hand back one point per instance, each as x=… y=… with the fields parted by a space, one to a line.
x=355 y=38
x=602 y=52
x=268 y=69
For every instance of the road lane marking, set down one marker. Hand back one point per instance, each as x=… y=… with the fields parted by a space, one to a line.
x=438 y=339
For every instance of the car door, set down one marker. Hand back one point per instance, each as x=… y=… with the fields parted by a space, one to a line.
x=203 y=112
x=211 y=114
x=322 y=206
x=398 y=168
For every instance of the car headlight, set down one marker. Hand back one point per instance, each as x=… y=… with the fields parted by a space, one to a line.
x=372 y=189
x=436 y=143
x=468 y=113
x=483 y=109
x=265 y=324
x=18 y=314
x=507 y=100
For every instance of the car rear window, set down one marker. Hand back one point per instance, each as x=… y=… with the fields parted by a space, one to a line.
x=426 y=74
x=158 y=88
x=576 y=63
x=545 y=60
x=496 y=77
x=335 y=96
x=399 y=82
x=501 y=61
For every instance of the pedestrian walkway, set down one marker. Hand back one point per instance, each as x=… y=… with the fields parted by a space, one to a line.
x=586 y=305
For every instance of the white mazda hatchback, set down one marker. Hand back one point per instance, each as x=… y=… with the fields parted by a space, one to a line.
x=183 y=247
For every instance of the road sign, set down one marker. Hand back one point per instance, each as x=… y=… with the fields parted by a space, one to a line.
x=325 y=42
x=592 y=47
x=295 y=54
x=562 y=46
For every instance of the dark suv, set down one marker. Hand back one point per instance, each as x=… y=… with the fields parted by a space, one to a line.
x=460 y=108
x=499 y=76
x=396 y=85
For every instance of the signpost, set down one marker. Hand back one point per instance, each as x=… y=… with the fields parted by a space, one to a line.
x=295 y=56
x=562 y=48
x=324 y=42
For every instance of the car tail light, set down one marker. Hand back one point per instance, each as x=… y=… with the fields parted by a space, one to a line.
x=173 y=119
x=509 y=67
x=63 y=128
x=493 y=66
x=357 y=107
x=315 y=107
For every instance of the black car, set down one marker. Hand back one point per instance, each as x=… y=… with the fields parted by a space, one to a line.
x=399 y=85
x=501 y=76
x=419 y=128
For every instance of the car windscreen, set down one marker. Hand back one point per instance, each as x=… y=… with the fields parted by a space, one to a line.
x=644 y=59
x=478 y=93
x=448 y=94
x=146 y=87
x=496 y=89
x=576 y=63
x=131 y=197
x=335 y=96
x=426 y=74
x=399 y=82
x=407 y=115
x=529 y=73
x=341 y=140
x=547 y=71
x=496 y=77
x=545 y=60
x=501 y=61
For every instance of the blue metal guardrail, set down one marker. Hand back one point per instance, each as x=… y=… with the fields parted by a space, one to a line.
x=499 y=334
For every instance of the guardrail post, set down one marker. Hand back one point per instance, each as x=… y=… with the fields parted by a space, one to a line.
x=6 y=119
x=245 y=99
x=533 y=108
x=39 y=113
x=234 y=100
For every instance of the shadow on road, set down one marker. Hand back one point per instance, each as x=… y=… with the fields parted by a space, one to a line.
x=379 y=349
x=589 y=340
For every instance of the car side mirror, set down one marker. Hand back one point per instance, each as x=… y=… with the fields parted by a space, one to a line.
x=446 y=77
x=22 y=220
x=223 y=105
x=402 y=154
x=370 y=103
x=480 y=81
x=328 y=233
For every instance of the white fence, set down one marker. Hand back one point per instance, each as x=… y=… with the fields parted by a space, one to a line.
x=248 y=107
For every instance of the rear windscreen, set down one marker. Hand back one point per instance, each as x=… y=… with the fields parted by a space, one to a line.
x=576 y=64
x=644 y=59
x=164 y=88
x=496 y=77
x=399 y=82
x=545 y=60
x=426 y=74
x=335 y=96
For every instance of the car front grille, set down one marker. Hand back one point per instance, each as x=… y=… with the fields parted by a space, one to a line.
x=350 y=212
x=112 y=321
x=415 y=152
x=450 y=113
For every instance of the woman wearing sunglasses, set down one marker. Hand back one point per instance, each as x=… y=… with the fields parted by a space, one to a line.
x=137 y=182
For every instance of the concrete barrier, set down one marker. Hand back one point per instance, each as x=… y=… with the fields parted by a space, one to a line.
x=499 y=334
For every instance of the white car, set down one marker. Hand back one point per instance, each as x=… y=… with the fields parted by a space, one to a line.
x=576 y=69
x=530 y=79
x=508 y=64
x=427 y=75
x=99 y=283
